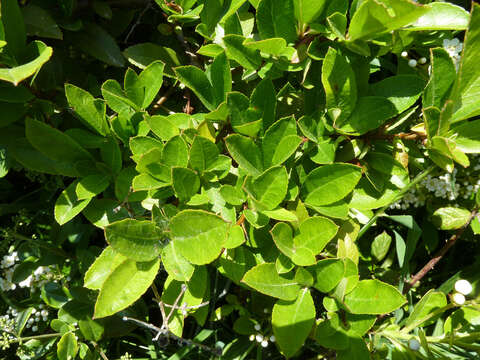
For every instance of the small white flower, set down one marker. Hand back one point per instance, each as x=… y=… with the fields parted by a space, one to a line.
x=252 y=337
x=458 y=299
x=422 y=60
x=412 y=63
x=272 y=338
x=453 y=47
x=265 y=311
x=259 y=338
x=257 y=327
x=264 y=343
x=463 y=287
x=34 y=328
x=44 y=313
x=404 y=54
x=414 y=344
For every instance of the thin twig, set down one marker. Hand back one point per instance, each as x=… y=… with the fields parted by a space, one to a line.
x=149 y=4
x=182 y=291
x=438 y=256
x=102 y=354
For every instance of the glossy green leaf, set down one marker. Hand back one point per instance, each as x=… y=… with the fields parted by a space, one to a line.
x=272 y=46
x=175 y=264
x=467 y=86
x=374 y=17
x=245 y=119
x=196 y=80
x=147 y=84
x=67 y=347
x=327 y=274
x=101 y=268
x=135 y=239
x=68 y=205
x=401 y=90
x=450 y=218
x=163 y=127
x=339 y=82
x=442 y=16
x=13 y=27
x=264 y=98
x=199 y=236
x=442 y=77
x=306 y=11
x=185 y=183
x=91 y=186
x=116 y=98
x=102 y=212
x=269 y=189
x=373 y=297
x=40 y=54
x=380 y=246
x=280 y=142
x=249 y=58
x=370 y=113
x=246 y=153
x=330 y=183
x=430 y=302
x=292 y=322
x=276 y=19
x=39 y=23
x=128 y=282
x=265 y=279
x=203 y=154
x=468 y=136
x=144 y=54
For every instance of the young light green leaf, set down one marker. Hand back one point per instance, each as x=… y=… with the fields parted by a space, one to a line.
x=236 y=50
x=91 y=186
x=196 y=80
x=203 y=154
x=431 y=301
x=373 y=297
x=306 y=11
x=330 y=183
x=292 y=322
x=269 y=189
x=185 y=183
x=265 y=279
x=135 y=239
x=276 y=19
x=144 y=54
x=68 y=205
x=175 y=264
x=339 y=82
x=467 y=136
x=198 y=235
x=450 y=218
x=67 y=347
x=127 y=282
x=327 y=274
x=116 y=98
x=101 y=268
x=246 y=153
x=380 y=246
x=442 y=16
x=280 y=142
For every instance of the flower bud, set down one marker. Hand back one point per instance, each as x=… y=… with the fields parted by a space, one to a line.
x=458 y=299
x=413 y=344
x=463 y=287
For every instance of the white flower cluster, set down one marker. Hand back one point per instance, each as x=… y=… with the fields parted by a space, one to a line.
x=9 y=264
x=413 y=62
x=442 y=187
x=454 y=47
x=263 y=340
x=462 y=288
x=38 y=315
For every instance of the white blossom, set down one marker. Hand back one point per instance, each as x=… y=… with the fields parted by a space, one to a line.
x=463 y=287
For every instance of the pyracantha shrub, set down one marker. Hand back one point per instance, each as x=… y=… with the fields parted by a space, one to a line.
x=196 y=179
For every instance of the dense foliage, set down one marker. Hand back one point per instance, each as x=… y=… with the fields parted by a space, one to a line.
x=239 y=178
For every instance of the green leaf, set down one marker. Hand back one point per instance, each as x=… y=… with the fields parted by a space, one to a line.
x=12 y=22
x=175 y=264
x=232 y=195
x=330 y=183
x=339 y=82
x=442 y=16
x=245 y=119
x=375 y=17
x=220 y=77
x=111 y=154
x=431 y=301
x=185 y=183
x=264 y=98
x=380 y=246
x=102 y=212
x=98 y=43
x=67 y=347
x=265 y=279
x=147 y=84
x=203 y=154
x=127 y=283
x=199 y=236
x=246 y=153
x=39 y=53
x=144 y=54
x=272 y=46
x=175 y=152
x=246 y=56
x=401 y=90
x=276 y=19
x=385 y=165
x=135 y=239
x=450 y=218
x=91 y=186
x=308 y=241
x=90 y=111
x=327 y=274
x=373 y=297
x=442 y=77
x=102 y=267
x=196 y=80
x=116 y=98
x=467 y=86
x=269 y=189
x=68 y=205
x=306 y=11
x=40 y=23
x=163 y=127
x=468 y=136
x=280 y=142
x=292 y=322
